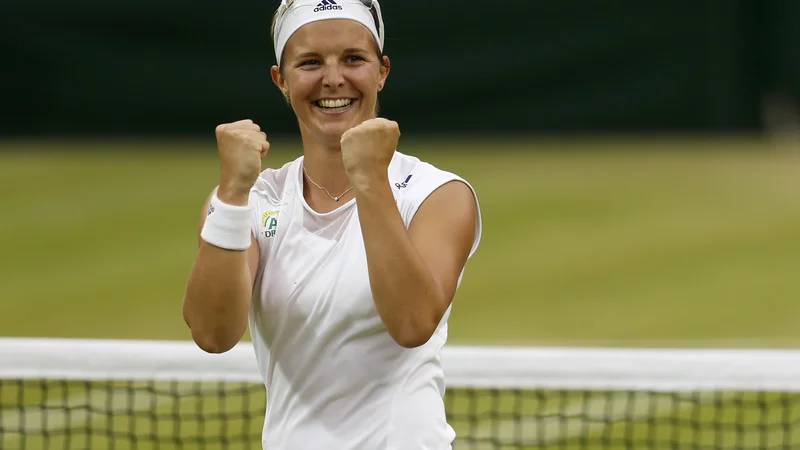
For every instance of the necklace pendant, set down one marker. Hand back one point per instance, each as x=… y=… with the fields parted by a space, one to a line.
x=336 y=199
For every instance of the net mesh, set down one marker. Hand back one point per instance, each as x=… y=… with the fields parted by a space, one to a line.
x=59 y=394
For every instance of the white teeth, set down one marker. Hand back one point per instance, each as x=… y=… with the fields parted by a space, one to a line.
x=338 y=103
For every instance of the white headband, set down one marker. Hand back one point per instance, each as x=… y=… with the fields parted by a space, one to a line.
x=301 y=12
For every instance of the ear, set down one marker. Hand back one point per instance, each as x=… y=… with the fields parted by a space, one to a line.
x=384 y=71
x=279 y=80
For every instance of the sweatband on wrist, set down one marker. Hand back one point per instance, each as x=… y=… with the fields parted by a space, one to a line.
x=227 y=226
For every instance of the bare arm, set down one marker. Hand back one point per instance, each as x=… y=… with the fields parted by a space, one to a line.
x=217 y=298
x=414 y=272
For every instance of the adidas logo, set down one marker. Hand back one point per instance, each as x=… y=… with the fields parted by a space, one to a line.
x=327 y=5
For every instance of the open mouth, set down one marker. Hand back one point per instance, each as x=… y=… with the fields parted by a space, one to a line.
x=335 y=105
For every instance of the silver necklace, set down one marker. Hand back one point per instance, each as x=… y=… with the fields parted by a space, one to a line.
x=334 y=198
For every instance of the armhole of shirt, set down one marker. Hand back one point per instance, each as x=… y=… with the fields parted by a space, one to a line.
x=436 y=180
x=258 y=207
x=255 y=224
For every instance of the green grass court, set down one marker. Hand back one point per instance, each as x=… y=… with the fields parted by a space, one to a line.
x=648 y=243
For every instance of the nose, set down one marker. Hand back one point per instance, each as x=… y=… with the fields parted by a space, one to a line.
x=332 y=77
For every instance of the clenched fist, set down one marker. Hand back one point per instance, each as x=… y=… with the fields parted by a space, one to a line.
x=241 y=146
x=367 y=148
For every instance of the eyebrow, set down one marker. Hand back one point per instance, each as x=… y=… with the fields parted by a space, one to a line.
x=316 y=55
x=306 y=55
x=355 y=50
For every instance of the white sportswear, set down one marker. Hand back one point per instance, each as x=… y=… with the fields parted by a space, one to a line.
x=334 y=377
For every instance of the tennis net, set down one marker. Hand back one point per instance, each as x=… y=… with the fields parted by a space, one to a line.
x=101 y=394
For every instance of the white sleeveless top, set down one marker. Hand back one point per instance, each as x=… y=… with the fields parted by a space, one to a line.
x=334 y=377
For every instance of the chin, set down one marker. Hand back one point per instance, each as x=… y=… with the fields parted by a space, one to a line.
x=329 y=124
x=332 y=128
x=332 y=132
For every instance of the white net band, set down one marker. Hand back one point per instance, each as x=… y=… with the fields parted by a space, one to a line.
x=465 y=366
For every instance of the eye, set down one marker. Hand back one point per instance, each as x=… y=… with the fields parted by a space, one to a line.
x=310 y=62
x=354 y=59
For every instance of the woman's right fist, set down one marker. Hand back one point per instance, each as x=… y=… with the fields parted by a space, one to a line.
x=241 y=146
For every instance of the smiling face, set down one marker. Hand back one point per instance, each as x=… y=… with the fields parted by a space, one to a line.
x=331 y=72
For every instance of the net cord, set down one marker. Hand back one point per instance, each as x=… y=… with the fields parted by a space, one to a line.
x=570 y=368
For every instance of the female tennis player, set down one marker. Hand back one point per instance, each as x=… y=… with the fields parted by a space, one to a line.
x=343 y=262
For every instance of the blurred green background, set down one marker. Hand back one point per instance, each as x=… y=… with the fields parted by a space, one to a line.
x=598 y=242
x=637 y=164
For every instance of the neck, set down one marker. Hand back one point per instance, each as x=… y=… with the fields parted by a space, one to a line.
x=323 y=164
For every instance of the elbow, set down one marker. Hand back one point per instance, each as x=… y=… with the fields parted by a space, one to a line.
x=414 y=335
x=411 y=342
x=213 y=339
x=213 y=336
x=214 y=348
x=416 y=328
x=212 y=343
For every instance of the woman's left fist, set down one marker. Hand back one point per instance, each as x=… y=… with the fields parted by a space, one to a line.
x=367 y=149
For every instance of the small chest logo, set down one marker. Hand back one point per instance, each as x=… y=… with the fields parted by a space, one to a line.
x=403 y=184
x=269 y=223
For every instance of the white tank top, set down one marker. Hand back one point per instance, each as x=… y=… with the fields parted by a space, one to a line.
x=334 y=377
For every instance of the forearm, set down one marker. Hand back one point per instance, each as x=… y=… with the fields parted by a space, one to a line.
x=404 y=290
x=217 y=299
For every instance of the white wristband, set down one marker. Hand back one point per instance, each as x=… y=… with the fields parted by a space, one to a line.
x=227 y=226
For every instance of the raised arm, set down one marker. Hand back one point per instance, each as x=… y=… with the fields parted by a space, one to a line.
x=413 y=273
x=217 y=298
